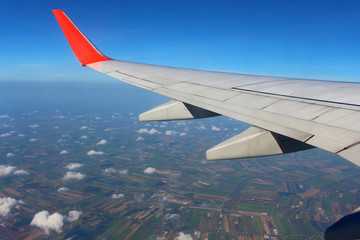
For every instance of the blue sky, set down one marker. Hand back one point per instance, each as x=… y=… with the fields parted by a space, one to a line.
x=307 y=39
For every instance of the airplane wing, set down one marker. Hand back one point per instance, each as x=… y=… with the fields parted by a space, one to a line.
x=287 y=115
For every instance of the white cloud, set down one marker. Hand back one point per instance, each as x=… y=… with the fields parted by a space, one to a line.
x=116 y=196
x=172 y=216
x=113 y=170
x=21 y=135
x=6 y=204
x=21 y=172
x=93 y=152
x=73 y=216
x=84 y=137
x=139 y=197
x=170 y=133
x=83 y=127
x=102 y=142
x=202 y=127
x=5 y=134
x=4 y=116
x=183 y=236
x=151 y=131
x=32 y=140
x=64 y=152
x=182 y=134
x=72 y=166
x=214 y=128
x=73 y=176
x=63 y=189
x=149 y=170
x=48 y=222
x=139 y=139
x=34 y=125
x=6 y=170
x=10 y=155
x=109 y=170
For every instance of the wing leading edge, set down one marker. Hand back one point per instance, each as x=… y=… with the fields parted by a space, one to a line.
x=287 y=115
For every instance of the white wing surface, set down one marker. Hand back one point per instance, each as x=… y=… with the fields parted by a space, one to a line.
x=287 y=115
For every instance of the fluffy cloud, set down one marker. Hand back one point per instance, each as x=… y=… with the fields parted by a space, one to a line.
x=10 y=155
x=34 y=126
x=6 y=170
x=214 y=128
x=84 y=137
x=6 y=204
x=93 y=152
x=113 y=170
x=73 y=216
x=183 y=236
x=139 y=197
x=5 y=134
x=202 y=127
x=72 y=166
x=139 y=139
x=33 y=140
x=110 y=170
x=182 y=134
x=149 y=170
x=83 y=127
x=151 y=131
x=21 y=135
x=4 y=116
x=170 y=133
x=123 y=171
x=102 y=142
x=63 y=189
x=53 y=222
x=116 y=196
x=73 y=176
x=48 y=222
x=64 y=152
x=21 y=172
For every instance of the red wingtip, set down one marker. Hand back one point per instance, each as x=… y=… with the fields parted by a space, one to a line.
x=84 y=50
